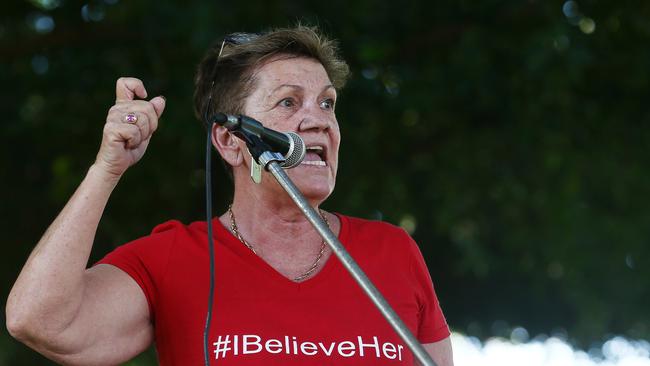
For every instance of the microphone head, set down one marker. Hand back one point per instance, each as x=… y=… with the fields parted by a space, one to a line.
x=296 y=151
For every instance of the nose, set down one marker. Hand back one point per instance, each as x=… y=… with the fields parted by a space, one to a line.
x=315 y=119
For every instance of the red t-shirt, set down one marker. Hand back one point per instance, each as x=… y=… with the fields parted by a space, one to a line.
x=262 y=318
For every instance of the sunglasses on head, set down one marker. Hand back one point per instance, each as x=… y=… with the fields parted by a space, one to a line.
x=237 y=38
x=234 y=39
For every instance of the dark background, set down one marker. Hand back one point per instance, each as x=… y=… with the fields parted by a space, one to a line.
x=510 y=137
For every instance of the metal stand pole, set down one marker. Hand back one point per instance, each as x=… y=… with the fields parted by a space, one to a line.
x=270 y=162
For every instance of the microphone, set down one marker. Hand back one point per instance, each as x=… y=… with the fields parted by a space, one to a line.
x=288 y=144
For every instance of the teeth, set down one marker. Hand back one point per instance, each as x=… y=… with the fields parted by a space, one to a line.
x=318 y=150
x=314 y=162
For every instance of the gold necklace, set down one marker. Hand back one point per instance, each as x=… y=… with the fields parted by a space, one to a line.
x=235 y=230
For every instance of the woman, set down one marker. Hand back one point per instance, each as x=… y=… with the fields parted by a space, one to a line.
x=281 y=299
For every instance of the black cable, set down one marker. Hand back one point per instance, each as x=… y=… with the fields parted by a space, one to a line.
x=208 y=212
x=256 y=147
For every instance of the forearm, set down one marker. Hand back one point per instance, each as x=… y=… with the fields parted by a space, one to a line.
x=49 y=289
x=441 y=352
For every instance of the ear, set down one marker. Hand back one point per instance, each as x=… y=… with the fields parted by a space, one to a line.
x=229 y=147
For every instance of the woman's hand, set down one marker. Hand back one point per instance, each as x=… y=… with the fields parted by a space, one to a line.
x=126 y=138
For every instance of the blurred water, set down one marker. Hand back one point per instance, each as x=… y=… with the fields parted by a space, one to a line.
x=553 y=351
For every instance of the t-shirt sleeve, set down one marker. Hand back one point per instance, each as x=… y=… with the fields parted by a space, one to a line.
x=146 y=259
x=432 y=324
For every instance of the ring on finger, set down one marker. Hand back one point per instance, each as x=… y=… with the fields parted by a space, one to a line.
x=131 y=117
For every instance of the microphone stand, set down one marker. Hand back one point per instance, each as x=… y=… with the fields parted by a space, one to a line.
x=270 y=161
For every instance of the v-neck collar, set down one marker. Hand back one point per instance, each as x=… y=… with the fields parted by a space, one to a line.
x=223 y=236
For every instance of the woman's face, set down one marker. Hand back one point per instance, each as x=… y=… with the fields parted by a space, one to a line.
x=294 y=94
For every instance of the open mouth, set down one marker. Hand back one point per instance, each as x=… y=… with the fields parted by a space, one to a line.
x=315 y=156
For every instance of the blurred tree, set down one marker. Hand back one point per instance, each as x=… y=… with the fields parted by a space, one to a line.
x=509 y=137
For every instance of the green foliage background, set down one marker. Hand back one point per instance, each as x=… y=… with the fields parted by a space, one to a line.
x=511 y=136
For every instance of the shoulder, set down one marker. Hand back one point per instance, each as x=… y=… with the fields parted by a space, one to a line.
x=162 y=238
x=378 y=236
x=178 y=229
x=148 y=257
x=373 y=229
x=175 y=227
x=168 y=226
x=366 y=226
x=163 y=234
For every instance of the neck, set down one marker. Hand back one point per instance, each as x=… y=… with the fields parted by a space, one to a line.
x=278 y=232
x=266 y=222
x=267 y=217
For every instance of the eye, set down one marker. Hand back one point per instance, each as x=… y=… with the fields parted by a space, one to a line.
x=287 y=102
x=327 y=104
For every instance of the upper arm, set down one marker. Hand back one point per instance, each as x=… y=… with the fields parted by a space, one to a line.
x=441 y=352
x=113 y=323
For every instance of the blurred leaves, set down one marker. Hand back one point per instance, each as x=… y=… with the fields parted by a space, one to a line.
x=510 y=137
